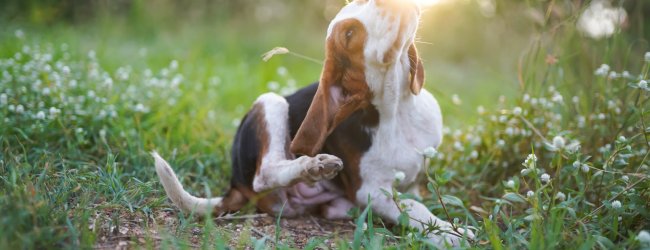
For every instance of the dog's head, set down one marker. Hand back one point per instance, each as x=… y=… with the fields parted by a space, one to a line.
x=365 y=37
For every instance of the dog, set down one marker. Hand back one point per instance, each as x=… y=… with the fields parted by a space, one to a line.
x=336 y=144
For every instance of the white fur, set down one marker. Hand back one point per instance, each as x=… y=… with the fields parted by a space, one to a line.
x=408 y=123
x=276 y=171
x=177 y=194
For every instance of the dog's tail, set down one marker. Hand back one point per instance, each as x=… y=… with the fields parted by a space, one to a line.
x=178 y=195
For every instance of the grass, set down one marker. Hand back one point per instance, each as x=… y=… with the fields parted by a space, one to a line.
x=75 y=173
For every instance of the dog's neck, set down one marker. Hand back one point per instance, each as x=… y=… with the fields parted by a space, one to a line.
x=390 y=87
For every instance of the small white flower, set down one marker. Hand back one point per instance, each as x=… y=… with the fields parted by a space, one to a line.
x=54 y=111
x=560 y=196
x=616 y=204
x=102 y=133
x=399 y=176
x=585 y=168
x=530 y=193
x=480 y=110
x=40 y=115
x=459 y=146
x=516 y=111
x=3 y=99
x=456 y=100
x=501 y=143
x=644 y=236
x=557 y=98
x=647 y=56
x=576 y=164
x=510 y=184
x=530 y=160
x=140 y=108
x=642 y=84
x=20 y=109
x=558 y=142
x=545 y=178
x=46 y=91
x=601 y=116
x=430 y=152
x=473 y=154
x=282 y=71
x=525 y=171
x=602 y=70
x=20 y=34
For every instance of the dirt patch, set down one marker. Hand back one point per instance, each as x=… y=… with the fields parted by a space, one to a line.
x=126 y=230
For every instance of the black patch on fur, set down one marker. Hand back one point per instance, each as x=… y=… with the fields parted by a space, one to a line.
x=245 y=151
x=355 y=132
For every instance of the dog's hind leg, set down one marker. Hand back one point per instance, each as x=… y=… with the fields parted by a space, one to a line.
x=277 y=167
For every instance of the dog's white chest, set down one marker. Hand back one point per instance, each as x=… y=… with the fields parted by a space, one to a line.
x=399 y=141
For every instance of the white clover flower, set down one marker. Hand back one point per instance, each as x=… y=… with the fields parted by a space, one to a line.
x=510 y=184
x=647 y=56
x=560 y=196
x=573 y=147
x=557 y=98
x=503 y=119
x=510 y=131
x=585 y=168
x=613 y=75
x=558 y=142
x=530 y=160
x=480 y=110
x=602 y=70
x=526 y=97
x=473 y=154
x=545 y=178
x=576 y=164
x=399 y=176
x=642 y=84
x=456 y=100
x=644 y=236
x=40 y=115
x=273 y=85
x=616 y=204
x=20 y=109
x=430 y=152
x=20 y=34
x=46 y=91
x=516 y=111
x=282 y=71
x=501 y=143
x=140 y=108
x=12 y=108
x=54 y=112
x=459 y=146
x=530 y=193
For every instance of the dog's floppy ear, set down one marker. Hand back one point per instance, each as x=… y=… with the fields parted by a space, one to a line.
x=342 y=89
x=416 y=70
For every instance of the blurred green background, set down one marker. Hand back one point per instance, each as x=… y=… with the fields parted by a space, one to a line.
x=472 y=48
x=477 y=53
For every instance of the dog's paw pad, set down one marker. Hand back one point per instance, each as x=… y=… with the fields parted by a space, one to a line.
x=323 y=167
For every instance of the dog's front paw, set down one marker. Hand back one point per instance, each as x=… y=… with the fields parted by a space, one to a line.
x=447 y=236
x=323 y=167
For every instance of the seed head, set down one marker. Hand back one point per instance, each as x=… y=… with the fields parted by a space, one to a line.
x=545 y=178
x=430 y=152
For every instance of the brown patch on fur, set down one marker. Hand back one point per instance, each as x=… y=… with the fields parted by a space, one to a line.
x=341 y=91
x=416 y=70
x=261 y=133
x=232 y=201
